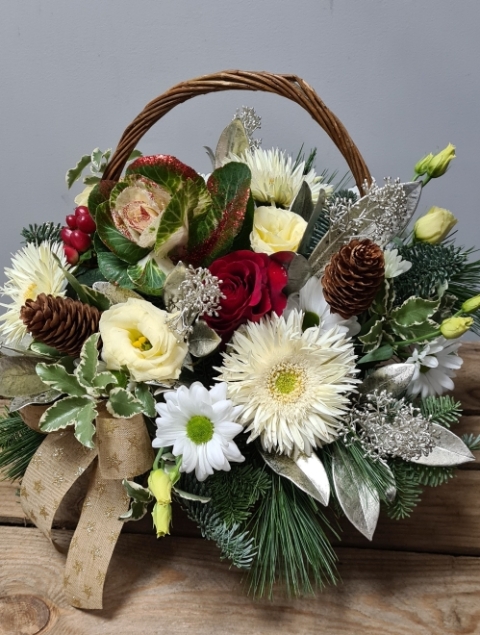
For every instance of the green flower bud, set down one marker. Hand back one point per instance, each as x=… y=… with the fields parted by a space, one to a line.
x=453 y=327
x=162 y=517
x=471 y=305
x=434 y=226
x=160 y=484
x=421 y=167
x=439 y=163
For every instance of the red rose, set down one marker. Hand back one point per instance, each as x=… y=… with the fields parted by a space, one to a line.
x=253 y=286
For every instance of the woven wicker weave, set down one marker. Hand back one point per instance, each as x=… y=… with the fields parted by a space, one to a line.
x=289 y=86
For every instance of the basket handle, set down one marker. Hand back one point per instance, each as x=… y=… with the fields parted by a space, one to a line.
x=289 y=86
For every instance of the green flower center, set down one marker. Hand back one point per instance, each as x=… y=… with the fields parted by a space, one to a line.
x=286 y=382
x=310 y=319
x=199 y=429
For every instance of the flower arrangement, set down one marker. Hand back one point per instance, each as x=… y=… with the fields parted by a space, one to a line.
x=282 y=342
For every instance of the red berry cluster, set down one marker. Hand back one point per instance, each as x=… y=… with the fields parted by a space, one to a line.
x=77 y=235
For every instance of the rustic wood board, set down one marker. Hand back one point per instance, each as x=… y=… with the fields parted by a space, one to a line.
x=178 y=586
x=419 y=576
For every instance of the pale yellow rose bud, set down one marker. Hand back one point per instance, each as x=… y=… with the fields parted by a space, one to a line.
x=421 y=167
x=453 y=327
x=82 y=198
x=434 y=226
x=276 y=229
x=160 y=484
x=439 y=163
x=162 y=517
x=472 y=304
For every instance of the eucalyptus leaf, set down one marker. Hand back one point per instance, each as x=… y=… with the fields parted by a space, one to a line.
x=297 y=268
x=19 y=378
x=303 y=204
x=360 y=505
x=123 y=404
x=378 y=355
x=116 y=294
x=56 y=376
x=449 y=450
x=312 y=221
x=394 y=378
x=288 y=468
x=203 y=340
x=86 y=294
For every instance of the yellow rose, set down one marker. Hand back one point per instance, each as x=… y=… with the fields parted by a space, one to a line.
x=135 y=336
x=453 y=327
x=472 y=304
x=434 y=226
x=276 y=229
x=162 y=516
x=438 y=164
x=160 y=484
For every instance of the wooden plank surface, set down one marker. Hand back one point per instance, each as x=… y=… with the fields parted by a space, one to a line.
x=418 y=576
x=178 y=586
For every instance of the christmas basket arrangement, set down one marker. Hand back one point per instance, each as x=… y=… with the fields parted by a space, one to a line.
x=266 y=344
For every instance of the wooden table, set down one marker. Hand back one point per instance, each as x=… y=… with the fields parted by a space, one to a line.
x=420 y=576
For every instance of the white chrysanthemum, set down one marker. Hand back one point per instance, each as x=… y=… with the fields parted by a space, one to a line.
x=312 y=302
x=34 y=270
x=200 y=424
x=394 y=264
x=435 y=365
x=293 y=385
x=275 y=179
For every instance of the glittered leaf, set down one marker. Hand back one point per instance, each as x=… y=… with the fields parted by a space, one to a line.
x=449 y=450
x=145 y=397
x=119 y=244
x=18 y=377
x=164 y=170
x=55 y=376
x=230 y=190
x=123 y=404
x=360 y=505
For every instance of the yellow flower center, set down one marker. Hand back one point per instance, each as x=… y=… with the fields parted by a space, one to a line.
x=30 y=292
x=142 y=343
x=287 y=382
x=199 y=429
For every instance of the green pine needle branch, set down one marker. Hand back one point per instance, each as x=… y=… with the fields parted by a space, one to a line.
x=37 y=234
x=443 y=410
x=18 y=444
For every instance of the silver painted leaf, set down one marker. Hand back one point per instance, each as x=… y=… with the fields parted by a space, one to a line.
x=171 y=286
x=46 y=397
x=313 y=469
x=191 y=497
x=114 y=293
x=367 y=219
x=361 y=506
x=288 y=468
x=394 y=378
x=449 y=450
x=18 y=377
x=391 y=491
x=203 y=340
x=232 y=140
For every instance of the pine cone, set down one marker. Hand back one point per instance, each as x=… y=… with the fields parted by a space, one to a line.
x=62 y=323
x=353 y=277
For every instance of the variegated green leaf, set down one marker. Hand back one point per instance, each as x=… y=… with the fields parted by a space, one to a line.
x=87 y=367
x=56 y=376
x=143 y=394
x=71 y=411
x=123 y=404
x=414 y=311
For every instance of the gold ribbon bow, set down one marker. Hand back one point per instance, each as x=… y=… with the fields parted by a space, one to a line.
x=123 y=450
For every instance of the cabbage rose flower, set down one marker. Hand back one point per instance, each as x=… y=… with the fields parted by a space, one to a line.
x=135 y=335
x=276 y=229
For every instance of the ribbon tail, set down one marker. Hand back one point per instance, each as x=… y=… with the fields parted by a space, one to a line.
x=94 y=541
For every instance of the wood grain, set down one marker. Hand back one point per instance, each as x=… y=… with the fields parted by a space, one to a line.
x=467 y=380
x=179 y=586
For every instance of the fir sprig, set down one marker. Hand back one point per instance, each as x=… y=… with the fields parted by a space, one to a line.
x=18 y=444
x=472 y=442
x=408 y=487
x=443 y=410
x=292 y=545
x=44 y=233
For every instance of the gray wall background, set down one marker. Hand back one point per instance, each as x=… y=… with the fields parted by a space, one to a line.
x=402 y=75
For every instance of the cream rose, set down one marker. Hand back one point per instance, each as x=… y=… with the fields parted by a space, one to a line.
x=135 y=336
x=276 y=229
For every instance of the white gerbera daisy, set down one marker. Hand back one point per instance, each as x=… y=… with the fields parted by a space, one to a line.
x=200 y=425
x=275 y=180
x=435 y=365
x=311 y=301
x=394 y=264
x=293 y=385
x=34 y=270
